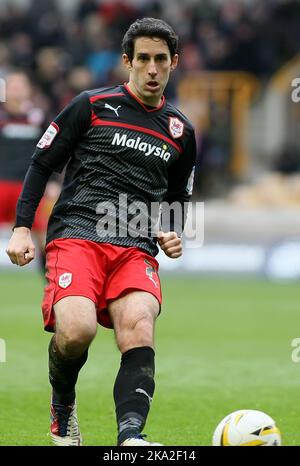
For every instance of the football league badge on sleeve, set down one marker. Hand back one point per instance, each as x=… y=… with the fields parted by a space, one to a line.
x=176 y=127
x=48 y=136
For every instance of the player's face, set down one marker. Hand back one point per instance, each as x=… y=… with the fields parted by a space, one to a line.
x=150 y=69
x=18 y=93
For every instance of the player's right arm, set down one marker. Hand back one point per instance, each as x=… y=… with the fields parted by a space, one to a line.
x=51 y=155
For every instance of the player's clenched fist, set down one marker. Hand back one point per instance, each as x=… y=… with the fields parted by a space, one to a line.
x=20 y=248
x=170 y=243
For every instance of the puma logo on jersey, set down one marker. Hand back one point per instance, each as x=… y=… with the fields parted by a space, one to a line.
x=148 y=149
x=113 y=109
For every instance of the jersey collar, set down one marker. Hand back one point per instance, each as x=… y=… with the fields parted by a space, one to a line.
x=149 y=110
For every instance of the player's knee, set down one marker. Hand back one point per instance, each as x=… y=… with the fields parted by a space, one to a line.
x=133 y=317
x=143 y=335
x=73 y=341
x=136 y=330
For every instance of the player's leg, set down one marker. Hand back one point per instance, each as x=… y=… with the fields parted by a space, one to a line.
x=75 y=328
x=133 y=317
x=75 y=277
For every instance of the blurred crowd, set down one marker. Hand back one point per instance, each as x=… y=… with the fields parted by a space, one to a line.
x=66 y=47
x=72 y=45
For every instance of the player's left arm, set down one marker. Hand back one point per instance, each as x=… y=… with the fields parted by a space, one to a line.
x=180 y=188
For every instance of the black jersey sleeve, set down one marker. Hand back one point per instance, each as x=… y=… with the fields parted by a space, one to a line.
x=180 y=185
x=57 y=144
x=33 y=190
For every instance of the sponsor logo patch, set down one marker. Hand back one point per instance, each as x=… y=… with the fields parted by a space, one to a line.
x=65 y=280
x=138 y=144
x=176 y=127
x=48 y=136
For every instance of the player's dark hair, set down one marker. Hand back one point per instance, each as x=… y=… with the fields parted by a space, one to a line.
x=149 y=27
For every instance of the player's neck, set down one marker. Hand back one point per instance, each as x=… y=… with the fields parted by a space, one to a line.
x=154 y=101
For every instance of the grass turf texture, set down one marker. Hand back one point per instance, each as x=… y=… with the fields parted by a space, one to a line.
x=221 y=345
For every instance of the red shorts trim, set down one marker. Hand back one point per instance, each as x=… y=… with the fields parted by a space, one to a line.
x=98 y=271
x=9 y=195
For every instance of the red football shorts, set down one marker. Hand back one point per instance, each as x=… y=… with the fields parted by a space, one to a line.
x=9 y=195
x=98 y=271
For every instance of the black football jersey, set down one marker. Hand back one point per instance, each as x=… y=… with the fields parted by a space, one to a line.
x=120 y=157
x=18 y=138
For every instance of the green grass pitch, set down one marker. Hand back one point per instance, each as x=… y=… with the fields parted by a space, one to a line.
x=221 y=345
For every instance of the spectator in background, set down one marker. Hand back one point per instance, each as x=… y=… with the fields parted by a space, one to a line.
x=21 y=125
x=4 y=59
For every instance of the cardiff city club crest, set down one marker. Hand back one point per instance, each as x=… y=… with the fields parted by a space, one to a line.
x=65 y=280
x=176 y=127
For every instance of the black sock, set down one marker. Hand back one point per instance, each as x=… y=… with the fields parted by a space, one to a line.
x=133 y=391
x=63 y=374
